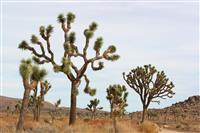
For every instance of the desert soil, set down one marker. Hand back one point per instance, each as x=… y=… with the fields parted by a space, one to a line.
x=172 y=131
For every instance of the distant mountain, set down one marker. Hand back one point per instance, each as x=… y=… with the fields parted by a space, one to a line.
x=11 y=102
x=189 y=107
x=47 y=106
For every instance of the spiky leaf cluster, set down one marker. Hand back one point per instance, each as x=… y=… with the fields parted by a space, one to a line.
x=90 y=31
x=58 y=102
x=25 y=68
x=111 y=49
x=66 y=65
x=70 y=17
x=93 y=26
x=95 y=102
x=61 y=18
x=49 y=29
x=112 y=57
x=70 y=48
x=72 y=38
x=90 y=91
x=46 y=32
x=93 y=106
x=67 y=47
x=98 y=44
x=23 y=45
x=34 y=39
x=109 y=53
x=38 y=73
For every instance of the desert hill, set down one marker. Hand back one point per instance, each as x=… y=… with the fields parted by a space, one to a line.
x=47 y=106
x=188 y=109
x=189 y=106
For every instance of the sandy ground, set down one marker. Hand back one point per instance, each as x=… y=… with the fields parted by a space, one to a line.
x=171 y=131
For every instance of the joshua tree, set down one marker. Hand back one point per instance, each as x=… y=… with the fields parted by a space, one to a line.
x=18 y=106
x=93 y=107
x=25 y=70
x=150 y=85
x=37 y=101
x=117 y=96
x=36 y=77
x=71 y=51
x=8 y=110
x=56 y=110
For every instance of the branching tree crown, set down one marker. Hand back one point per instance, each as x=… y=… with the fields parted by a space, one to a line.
x=149 y=84
x=93 y=106
x=67 y=66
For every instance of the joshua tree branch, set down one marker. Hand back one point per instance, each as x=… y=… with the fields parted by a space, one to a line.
x=85 y=49
x=96 y=68
x=74 y=68
x=87 y=81
x=49 y=49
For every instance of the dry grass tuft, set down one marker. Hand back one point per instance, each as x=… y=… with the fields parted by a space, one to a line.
x=149 y=127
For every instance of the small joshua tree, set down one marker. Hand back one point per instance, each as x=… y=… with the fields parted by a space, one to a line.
x=71 y=51
x=56 y=110
x=8 y=110
x=117 y=96
x=36 y=77
x=149 y=84
x=93 y=107
x=18 y=106
x=25 y=70
x=37 y=101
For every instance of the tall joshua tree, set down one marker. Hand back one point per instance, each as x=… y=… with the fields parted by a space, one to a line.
x=150 y=85
x=117 y=96
x=25 y=70
x=68 y=66
x=93 y=107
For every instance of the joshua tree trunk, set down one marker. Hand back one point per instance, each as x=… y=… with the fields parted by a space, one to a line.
x=115 y=124
x=25 y=101
x=93 y=115
x=144 y=112
x=72 y=117
x=111 y=111
x=35 y=104
x=38 y=112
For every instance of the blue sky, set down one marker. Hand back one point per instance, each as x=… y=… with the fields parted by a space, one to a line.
x=162 y=34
